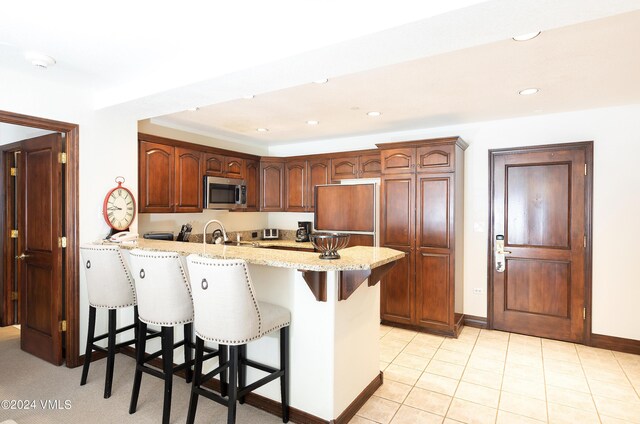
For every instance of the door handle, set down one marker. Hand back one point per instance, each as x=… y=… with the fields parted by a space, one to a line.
x=22 y=256
x=500 y=252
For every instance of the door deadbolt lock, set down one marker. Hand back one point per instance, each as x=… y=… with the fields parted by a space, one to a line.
x=500 y=252
x=22 y=256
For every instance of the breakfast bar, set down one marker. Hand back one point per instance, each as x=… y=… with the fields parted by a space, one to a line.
x=334 y=353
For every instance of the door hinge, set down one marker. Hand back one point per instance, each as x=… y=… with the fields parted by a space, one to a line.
x=62 y=158
x=62 y=242
x=584 y=313
x=14 y=172
x=585 y=241
x=14 y=295
x=585 y=169
x=63 y=325
x=14 y=233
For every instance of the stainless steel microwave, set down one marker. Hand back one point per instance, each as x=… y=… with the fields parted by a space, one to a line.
x=224 y=193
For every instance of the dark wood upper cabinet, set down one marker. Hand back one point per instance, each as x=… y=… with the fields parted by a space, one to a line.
x=319 y=173
x=271 y=185
x=188 y=180
x=156 y=173
x=295 y=176
x=252 y=177
x=170 y=174
x=355 y=165
x=398 y=161
x=421 y=214
x=217 y=165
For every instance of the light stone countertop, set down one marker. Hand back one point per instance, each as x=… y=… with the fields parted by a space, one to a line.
x=351 y=258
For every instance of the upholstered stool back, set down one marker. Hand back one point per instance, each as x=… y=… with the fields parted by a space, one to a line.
x=162 y=288
x=226 y=308
x=109 y=283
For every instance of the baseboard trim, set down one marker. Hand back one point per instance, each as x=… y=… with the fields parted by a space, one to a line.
x=357 y=403
x=616 y=343
x=474 y=321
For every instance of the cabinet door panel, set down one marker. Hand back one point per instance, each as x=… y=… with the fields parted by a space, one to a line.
x=318 y=175
x=397 y=290
x=156 y=170
x=398 y=161
x=370 y=166
x=214 y=165
x=252 y=172
x=188 y=189
x=271 y=186
x=439 y=158
x=434 y=211
x=434 y=297
x=234 y=167
x=295 y=186
x=397 y=210
x=344 y=168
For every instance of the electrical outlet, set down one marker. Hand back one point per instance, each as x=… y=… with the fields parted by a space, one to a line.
x=478 y=290
x=254 y=234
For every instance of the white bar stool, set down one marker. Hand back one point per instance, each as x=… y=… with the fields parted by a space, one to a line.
x=228 y=313
x=164 y=299
x=109 y=286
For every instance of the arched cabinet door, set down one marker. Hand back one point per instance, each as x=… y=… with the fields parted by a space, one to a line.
x=398 y=161
x=156 y=169
x=438 y=158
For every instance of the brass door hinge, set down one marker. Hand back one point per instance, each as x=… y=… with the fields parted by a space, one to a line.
x=14 y=233
x=62 y=158
x=585 y=169
x=63 y=325
x=14 y=172
x=62 y=242
x=14 y=295
x=584 y=313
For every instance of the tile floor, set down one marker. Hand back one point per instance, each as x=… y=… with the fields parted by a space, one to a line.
x=497 y=377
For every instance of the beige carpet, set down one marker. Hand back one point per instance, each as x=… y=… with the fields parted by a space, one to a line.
x=26 y=378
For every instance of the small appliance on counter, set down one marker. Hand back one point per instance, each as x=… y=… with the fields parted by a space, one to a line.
x=304 y=230
x=270 y=234
x=185 y=232
x=158 y=235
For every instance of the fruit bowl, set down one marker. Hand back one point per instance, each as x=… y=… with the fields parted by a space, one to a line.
x=329 y=243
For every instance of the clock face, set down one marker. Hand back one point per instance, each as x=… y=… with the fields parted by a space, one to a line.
x=119 y=208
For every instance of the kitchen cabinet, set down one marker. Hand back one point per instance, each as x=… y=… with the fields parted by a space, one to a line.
x=301 y=177
x=218 y=165
x=252 y=177
x=355 y=165
x=421 y=215
x=188 y=180
x=272 y=184
x=170 y=178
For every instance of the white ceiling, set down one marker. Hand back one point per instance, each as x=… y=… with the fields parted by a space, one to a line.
x=422 y=64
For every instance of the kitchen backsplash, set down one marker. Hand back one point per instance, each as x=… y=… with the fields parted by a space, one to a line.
x=244 y=235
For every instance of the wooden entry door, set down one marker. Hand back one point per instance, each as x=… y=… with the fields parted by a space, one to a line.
x=39 y=254
x=540 y=203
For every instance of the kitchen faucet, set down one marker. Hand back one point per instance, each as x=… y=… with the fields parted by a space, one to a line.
x=204 y=232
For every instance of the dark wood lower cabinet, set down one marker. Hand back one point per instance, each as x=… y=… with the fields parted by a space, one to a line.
x=421 y=214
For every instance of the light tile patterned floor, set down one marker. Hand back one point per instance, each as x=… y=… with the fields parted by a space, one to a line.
x=497 y=377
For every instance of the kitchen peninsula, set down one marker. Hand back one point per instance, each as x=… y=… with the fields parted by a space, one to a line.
x=335 y=318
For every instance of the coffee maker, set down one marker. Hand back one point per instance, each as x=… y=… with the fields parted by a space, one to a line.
x=304 y=229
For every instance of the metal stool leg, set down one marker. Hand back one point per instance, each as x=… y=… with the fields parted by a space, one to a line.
x=89 y=349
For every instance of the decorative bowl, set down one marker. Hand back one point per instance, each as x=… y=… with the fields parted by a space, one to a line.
x=329 y=243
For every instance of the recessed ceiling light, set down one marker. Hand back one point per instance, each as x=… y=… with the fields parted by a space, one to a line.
x=528 y=91
x=313 y=122
x=321 y=81
x=373 y=113
x=526 y=37
x=262 y=129
x=248 y=96
x=39 y=60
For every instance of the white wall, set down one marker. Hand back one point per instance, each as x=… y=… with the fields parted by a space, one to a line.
x=616 y=228
x=11 y=133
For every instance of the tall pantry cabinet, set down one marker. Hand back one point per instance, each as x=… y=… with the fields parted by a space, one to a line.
x=422 y=192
